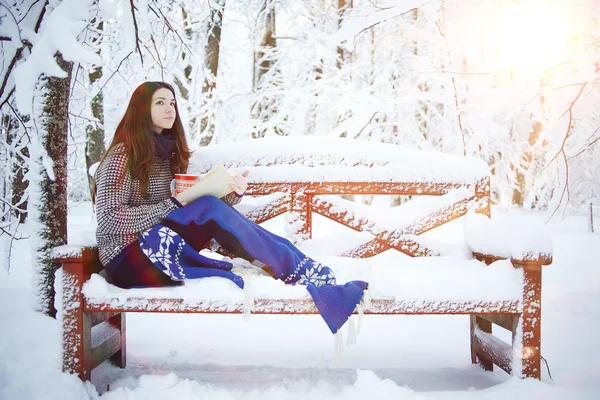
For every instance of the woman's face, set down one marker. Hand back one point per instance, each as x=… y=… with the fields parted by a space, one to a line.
x=162 y=110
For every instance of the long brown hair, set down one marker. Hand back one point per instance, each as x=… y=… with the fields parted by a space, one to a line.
x=135 y=131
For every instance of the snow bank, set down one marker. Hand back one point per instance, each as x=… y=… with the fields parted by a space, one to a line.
x=225 y=357
x=30 y=366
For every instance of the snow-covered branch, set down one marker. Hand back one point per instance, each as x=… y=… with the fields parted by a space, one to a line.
x=356 y=25
x=59 y=33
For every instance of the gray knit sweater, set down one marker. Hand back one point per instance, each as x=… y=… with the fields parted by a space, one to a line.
x=121 y=211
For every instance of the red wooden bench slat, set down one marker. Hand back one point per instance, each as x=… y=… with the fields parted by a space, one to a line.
x=297 y=306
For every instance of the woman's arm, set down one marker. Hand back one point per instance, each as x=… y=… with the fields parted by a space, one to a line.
x=114 y=189
x=239 y=186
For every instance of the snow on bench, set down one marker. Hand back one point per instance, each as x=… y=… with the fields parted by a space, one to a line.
x=399 y=285
x=491 y=281
x=326 y=159
x=396 y=227
x=502 y=239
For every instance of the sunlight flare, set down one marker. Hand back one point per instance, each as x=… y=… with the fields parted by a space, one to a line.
x=534 y=35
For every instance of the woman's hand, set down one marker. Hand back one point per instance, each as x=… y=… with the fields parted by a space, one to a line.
x=183 y=203
x=240 y=184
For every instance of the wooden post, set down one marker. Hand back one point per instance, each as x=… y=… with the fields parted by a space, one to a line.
x=482 y=193
x=77 y=327
x=478 y=322
x=120 y=357
x=300 y=224
x=529 y=328
x=77 y=324
x=527 y=332
x=484 y=326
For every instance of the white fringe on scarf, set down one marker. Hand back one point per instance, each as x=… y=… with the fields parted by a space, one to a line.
x=353 y=328
x=351 y=340
x=248 y=306
x=339 y=347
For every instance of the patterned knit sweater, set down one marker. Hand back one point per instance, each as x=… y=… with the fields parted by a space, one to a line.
x=121 y=211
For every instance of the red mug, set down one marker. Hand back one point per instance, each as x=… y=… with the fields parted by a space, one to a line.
x=184 y=182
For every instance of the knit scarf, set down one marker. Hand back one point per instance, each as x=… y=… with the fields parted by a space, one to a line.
x=164 y=146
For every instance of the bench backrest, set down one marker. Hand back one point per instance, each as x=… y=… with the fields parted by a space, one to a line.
x=399 y=229
x=305 y=171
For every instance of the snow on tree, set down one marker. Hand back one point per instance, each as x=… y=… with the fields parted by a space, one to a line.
x=44 y=39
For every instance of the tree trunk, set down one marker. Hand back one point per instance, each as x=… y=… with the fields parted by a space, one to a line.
x=48 y=186
x=343 y=7
x=262 y=62
x=211 y=50
x=265 y=107
x=522 y=171
x=94 y=140
x=591 y=220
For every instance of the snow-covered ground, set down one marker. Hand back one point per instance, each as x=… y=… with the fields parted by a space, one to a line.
x=292 y=357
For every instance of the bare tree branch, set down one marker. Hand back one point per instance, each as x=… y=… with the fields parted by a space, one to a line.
x=367 y=124
x=18 y=54
x=170 y=27
x=442 y=32
x=568 y=133
x=589 y=145
x=565 y=188
x=137 y=36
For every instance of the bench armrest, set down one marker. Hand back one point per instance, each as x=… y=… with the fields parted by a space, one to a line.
x=81 y=260
x=531 y=264
x=490 y=240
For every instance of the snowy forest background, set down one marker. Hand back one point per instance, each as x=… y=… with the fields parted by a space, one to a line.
x=514 y=82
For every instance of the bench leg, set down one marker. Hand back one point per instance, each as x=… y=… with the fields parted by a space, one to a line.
x=120 y=357
x=77 y=329
x=527 y=340
x=484 y=326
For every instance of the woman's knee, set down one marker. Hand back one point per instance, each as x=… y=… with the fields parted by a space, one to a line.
x=198 y=211
x=209 y=201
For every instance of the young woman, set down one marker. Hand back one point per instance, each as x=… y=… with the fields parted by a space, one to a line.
x=146 y=237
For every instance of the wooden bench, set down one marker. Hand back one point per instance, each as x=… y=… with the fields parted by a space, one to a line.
x=520 y=314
